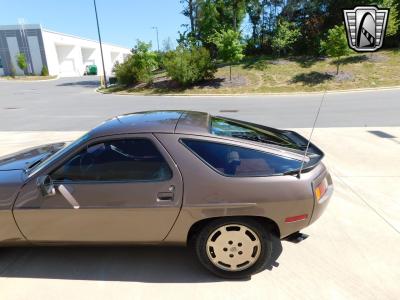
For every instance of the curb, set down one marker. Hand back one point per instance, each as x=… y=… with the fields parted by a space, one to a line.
x=40 y=80
x=359 y=90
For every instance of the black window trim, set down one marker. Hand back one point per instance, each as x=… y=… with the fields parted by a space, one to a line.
x=226 y=175
x=95 y=141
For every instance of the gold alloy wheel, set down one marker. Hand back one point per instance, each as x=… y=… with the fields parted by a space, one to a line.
x=233 y=247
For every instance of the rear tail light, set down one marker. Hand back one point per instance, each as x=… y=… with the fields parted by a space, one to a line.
x=320 y=189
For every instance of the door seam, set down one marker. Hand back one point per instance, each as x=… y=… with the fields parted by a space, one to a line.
x=183 y=187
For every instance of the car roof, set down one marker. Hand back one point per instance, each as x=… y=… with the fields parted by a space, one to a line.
x=160 y=121
x=167 y=121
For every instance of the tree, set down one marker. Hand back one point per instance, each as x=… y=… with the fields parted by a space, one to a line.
x=238 y=12
x=190 y=11
x=393 y=21
x=254 y=9
x=229 y=47
x=208 y=21
x=209 y=16
x=139 y=66
x=310 y=17
x=336 y=45
x=21 y=61
x=286 y=34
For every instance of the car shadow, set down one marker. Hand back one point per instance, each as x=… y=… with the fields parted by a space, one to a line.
x=136 y=264
x=84 y=83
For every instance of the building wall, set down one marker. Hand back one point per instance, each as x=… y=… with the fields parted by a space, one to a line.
x=69 y=55
x=63 y=54
x=27 y=40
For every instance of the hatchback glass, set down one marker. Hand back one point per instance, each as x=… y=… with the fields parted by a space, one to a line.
x=238 y=161
x=224 y=127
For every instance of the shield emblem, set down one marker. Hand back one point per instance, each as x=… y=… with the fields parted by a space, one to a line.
x=365 y=27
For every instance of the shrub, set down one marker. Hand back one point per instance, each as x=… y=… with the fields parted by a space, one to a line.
x=21 y=61
x=45 y=71
x=160 y=59
x=189 y=65
x=13 y=72
x=138 y=67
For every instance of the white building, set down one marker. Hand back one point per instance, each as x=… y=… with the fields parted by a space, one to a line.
x=63 y=54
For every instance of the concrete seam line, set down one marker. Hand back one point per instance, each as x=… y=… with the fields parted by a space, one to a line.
x=369 y=205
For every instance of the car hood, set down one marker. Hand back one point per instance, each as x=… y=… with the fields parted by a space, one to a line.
x=24 y=159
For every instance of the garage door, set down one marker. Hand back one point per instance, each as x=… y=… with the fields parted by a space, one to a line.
x=67 y=67
x=66 y=63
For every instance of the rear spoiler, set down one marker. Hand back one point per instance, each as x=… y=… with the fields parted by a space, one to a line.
x=314 y=153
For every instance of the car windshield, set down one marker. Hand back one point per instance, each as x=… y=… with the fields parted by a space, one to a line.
x=224 y=127
x=54 y=156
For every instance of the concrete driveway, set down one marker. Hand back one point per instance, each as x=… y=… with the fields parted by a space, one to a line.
x=352 y=251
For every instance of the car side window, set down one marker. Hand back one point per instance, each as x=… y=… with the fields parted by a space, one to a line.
x=241 y=162
x=116 y=160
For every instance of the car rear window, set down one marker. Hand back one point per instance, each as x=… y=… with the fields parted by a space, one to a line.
x=224 y=127
x=241 y=162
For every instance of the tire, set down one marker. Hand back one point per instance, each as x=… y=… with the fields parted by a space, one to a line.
x=234 y=248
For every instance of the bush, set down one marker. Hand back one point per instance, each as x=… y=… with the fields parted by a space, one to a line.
x=160 y=59
x=21 y=61
x=138 y=67
x=189 y=65
x=13 y=72
x=45 y=71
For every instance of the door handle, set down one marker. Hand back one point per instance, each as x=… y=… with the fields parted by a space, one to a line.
x=165 y=196
x=68 y=196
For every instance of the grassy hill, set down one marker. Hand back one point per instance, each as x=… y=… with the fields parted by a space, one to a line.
x=291 y=74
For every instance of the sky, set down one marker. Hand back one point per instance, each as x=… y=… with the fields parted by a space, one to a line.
x=122 y=22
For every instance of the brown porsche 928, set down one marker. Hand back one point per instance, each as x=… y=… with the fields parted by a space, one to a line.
x=224 y=186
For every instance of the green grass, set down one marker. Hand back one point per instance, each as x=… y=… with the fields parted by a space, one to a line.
x=291 y=74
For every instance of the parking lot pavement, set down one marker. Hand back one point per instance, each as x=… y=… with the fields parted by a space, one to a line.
x=71 y=104
x=352 y=251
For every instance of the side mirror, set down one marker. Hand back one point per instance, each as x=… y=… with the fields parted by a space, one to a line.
x=46 y=186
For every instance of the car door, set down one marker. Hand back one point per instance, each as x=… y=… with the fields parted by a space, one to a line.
x=118 y=189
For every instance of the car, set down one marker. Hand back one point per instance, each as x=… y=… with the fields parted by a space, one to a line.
x=229 y=189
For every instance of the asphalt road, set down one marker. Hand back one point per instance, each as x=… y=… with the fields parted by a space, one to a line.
x=72 y=104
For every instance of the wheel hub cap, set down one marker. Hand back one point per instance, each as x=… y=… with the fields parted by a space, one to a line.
x=233 y=247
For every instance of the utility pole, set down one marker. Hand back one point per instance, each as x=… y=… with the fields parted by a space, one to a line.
x=101 y=46
x=158 y=45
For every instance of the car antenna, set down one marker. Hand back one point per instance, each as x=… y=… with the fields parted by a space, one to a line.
x=312 y=131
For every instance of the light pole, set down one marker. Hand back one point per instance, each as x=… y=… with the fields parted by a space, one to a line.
x=158 y=45
x=101 y=46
